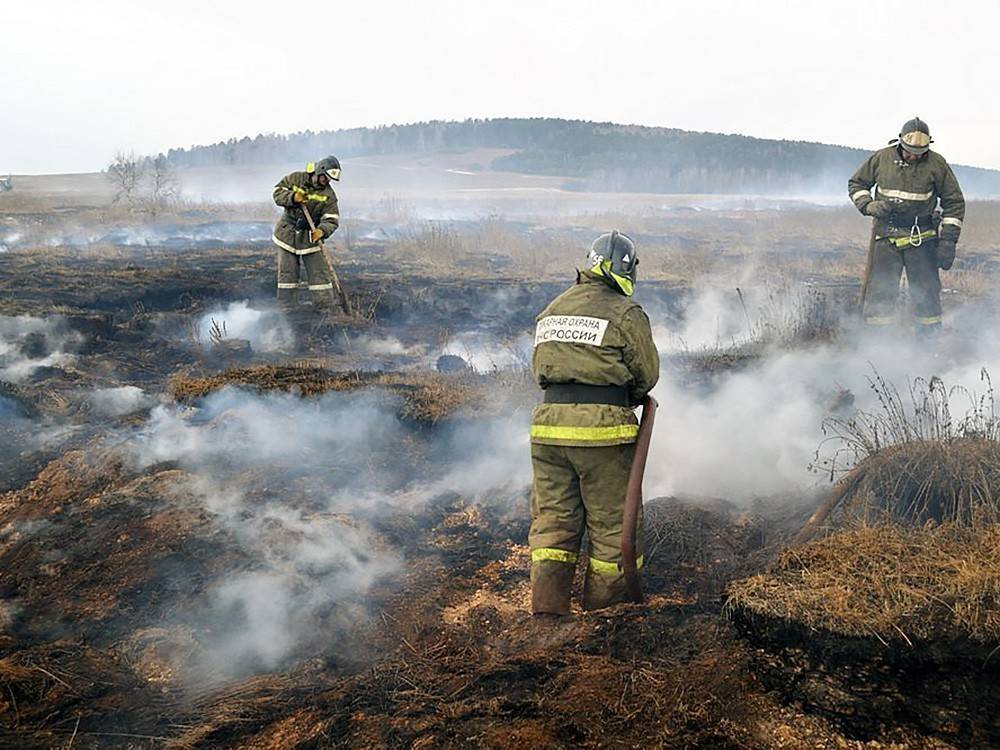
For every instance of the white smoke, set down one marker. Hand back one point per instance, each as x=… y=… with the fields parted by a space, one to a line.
x=309 y=575
x=299 y=484
x=755 y=432
x=486 y=353
x=382 y=346
x=116 y=402
x=266 y=330
x=28 y=343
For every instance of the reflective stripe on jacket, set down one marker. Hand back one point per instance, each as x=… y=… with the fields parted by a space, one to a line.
x=913 y=188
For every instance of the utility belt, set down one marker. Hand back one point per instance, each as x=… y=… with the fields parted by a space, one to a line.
x=906 y=231
x=580 y=393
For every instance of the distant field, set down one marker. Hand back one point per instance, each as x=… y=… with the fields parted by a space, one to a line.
x=450 y=213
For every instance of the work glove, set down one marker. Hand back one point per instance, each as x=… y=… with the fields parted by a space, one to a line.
x=299 y=195
x=878 y=209
x=945 y=254
x=317 y=235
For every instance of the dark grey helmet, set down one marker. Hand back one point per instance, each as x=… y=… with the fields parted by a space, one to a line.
x=330 y=166
x=618 y=248
x=915 y=136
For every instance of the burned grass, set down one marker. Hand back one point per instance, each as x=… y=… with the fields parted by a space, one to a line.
x=880 y=626
x=447 y=655
x=424 y=397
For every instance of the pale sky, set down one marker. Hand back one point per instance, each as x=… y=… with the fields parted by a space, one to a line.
x=82 y=79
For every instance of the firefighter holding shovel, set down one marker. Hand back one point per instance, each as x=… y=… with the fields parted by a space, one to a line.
x=595 y=360
x=310 y=217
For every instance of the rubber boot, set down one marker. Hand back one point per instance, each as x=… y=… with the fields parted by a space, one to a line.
x=551 y=586
x=600 y=591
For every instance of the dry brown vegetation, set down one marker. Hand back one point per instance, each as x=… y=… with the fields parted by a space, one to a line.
x=424 y=396
x=889 y=582
x=916 y=463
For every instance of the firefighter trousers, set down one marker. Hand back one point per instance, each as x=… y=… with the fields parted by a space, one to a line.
x=577 y=489
x=921 y=265
x=317 y=271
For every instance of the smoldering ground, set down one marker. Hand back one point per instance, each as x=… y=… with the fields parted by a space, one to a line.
x=267 y=329
x=300 y=487
x=28 y=344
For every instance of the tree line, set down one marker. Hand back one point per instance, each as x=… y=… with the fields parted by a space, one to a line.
x=592 y=156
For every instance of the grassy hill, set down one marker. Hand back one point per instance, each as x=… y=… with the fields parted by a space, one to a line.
x=591 y=156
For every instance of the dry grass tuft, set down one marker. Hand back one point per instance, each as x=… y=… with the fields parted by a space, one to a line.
x=941 y=481
x=884 y=581
x=425 y=396
x=918 y=463
x=786 y=318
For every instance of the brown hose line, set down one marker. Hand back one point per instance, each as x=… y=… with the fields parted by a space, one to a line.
x=633 y=500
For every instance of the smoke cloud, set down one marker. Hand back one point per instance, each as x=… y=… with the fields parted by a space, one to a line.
x=486 y=353
x=116 y=402
x=755 y=431
x=300 y=485
x=28 y=343
x=266 y=330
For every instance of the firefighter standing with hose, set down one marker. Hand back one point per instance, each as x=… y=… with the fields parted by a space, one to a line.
x=595 y=359
x=910 y=229
x=299 y=236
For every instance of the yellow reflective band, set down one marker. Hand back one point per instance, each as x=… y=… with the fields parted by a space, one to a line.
x=625 y=284
x=287 y=285
x=560 y=432
x=905 y=195
x=318 y=197
x=555 y=555
x=858 y=194
x=879 y=321
x=311 y=166
x=953 y=222
x=932 y=320
x=318 y=287
x=904 y=242
x=609 y=568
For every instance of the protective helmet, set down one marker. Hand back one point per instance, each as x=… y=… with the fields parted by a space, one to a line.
x=915 y=136
x=613 y=257
x=330 y=166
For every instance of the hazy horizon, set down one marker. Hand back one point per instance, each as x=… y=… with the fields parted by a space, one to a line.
x=90 y=79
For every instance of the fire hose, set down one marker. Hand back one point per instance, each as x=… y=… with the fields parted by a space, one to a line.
x=633 y=501
x=344 y=304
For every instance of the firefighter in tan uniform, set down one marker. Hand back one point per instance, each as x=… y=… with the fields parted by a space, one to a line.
x=298 y=245
x=595 y=359
x=918 y=210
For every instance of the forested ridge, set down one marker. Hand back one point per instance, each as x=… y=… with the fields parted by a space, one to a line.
x=592 y=156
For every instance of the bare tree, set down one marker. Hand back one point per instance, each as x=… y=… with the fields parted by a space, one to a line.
x=162 y=184
x=125 y=173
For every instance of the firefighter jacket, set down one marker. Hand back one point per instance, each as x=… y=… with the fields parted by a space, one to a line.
x=291 y=233
x=594 y=335
x=913 y=188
